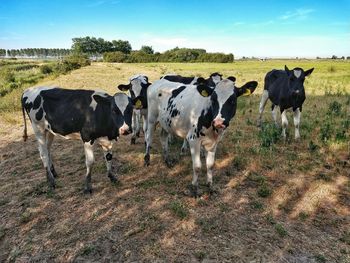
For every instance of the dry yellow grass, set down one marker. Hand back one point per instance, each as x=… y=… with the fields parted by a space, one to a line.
x=286 y=203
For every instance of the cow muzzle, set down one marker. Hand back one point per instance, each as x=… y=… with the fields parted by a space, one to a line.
x=125 y=129
x=218 y=124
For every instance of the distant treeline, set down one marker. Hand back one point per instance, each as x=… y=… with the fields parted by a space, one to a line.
x=120 y=51
x=36 y=52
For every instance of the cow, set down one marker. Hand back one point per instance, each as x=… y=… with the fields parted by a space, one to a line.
x=137 y=90
x=285 y=89
x=198 y=114
x=213 y=79
x=89 y=115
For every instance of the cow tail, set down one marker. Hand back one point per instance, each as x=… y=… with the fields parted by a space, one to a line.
x=25 y=135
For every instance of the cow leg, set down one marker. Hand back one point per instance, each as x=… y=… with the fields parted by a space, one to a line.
x=274 y=110
x=144 y=124
x=195 y=147
x=49 y=140
x=151 y=122
x=284 y=123
x=89 y=160
x=184 y=147
x=210 y=159
x=40 y=134
x=107 y=146
x=296 y=119
x=135 y=126
x=164 y=139
x=263 y=101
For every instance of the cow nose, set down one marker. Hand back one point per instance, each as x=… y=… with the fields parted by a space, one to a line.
x=219 y=124
x=125 y=129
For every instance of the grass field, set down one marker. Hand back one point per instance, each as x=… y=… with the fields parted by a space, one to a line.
x=278 y=202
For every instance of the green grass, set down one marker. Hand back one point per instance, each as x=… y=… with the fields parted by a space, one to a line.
x=179 y=209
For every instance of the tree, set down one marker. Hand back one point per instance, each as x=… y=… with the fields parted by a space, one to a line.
x=122 y=46
x=147 y=49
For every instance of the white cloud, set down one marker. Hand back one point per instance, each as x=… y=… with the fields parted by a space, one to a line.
x=298 y=14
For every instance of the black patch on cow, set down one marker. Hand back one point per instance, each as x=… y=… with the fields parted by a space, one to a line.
x=174 y=113
x=180 y=79
x=228 y=109
x=108 y=156
x=37 y=102
x=171 y=108
x=39 y=114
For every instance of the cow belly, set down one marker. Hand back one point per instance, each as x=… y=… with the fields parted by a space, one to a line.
x=173 y=126
x=74 y=136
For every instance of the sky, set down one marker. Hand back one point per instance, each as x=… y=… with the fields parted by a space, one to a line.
x=258 y=28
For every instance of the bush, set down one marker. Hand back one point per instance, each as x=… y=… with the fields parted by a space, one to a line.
x=46 y=69
x=72 y=62
x=116 y=56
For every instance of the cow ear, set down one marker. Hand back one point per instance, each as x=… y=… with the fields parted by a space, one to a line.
x=233 y=79
x=101 y=100
x=204 y=90
x=246 y=89
x=123 y=87
x=286 y=68
x=308 y=72
x=201 y=81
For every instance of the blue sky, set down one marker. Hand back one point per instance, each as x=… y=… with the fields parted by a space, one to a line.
x=244 y=28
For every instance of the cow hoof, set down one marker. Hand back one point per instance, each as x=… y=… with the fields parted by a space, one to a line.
x=212 y=190
x=113 y=179
x=169 y=163
x=133 y=140
x=193 y=191
x=147 y=160
x=88 y=190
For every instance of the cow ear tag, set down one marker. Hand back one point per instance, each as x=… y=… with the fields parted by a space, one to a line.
x=247 y=92
x=138 y=104
x=204 y=93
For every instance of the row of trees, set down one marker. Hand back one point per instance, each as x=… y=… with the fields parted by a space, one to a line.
x=121 y=51
x=36 y=52
x=173 y=55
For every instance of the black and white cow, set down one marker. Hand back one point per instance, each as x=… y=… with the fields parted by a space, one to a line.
x=88 y=115
x=213 y=79
x=200 y=114
x=211 y=82
x=285 y=89
x=137 y=90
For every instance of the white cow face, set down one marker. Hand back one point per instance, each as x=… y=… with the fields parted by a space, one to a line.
x=224 y=100
x=138 y=90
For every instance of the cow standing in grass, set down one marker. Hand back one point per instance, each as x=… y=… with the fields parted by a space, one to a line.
x=211 y=82
x=137 y=90
x=198 y=113
x=88 y=115
x=285 y=89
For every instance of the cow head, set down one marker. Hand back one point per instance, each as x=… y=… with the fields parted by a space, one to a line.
x=138 y=90
x=213 y=79
x=224 y=100
x=296 y=78
x=122 y=113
